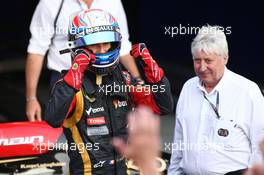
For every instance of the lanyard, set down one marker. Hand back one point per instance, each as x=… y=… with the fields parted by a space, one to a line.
x=215 y=107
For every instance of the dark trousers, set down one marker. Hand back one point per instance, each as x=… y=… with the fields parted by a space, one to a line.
x=54 y=77
x=238 y=172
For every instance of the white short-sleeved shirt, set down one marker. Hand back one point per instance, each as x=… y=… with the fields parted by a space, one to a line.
x=199 y=147
x=42 y=28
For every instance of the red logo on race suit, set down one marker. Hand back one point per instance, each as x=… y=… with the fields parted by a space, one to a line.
x=95 y=121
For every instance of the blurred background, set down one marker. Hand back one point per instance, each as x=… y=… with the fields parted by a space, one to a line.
x=152 y=22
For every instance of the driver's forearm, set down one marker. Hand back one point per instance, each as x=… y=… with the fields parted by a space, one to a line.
x=34 y=64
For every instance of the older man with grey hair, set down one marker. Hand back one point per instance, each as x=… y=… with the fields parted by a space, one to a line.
x=219 y=116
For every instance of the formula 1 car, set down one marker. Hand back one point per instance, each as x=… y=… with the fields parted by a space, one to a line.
x=28 y=148
x=31 y=148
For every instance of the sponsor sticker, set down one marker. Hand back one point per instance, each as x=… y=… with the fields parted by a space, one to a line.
x=98 y=130
x=99 y=164
x=94 y=110
x=119 y=104
x=95 y=121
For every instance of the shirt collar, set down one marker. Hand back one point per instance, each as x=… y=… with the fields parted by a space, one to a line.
x=84 y=5
x=219 y=85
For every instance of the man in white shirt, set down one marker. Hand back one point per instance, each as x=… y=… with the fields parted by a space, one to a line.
x=219 y=115
x=57 y=13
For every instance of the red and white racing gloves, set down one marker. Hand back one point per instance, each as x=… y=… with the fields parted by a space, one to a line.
x=153 y=72
x=81 y=59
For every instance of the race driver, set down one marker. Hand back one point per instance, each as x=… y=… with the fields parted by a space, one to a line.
x=93 y=97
